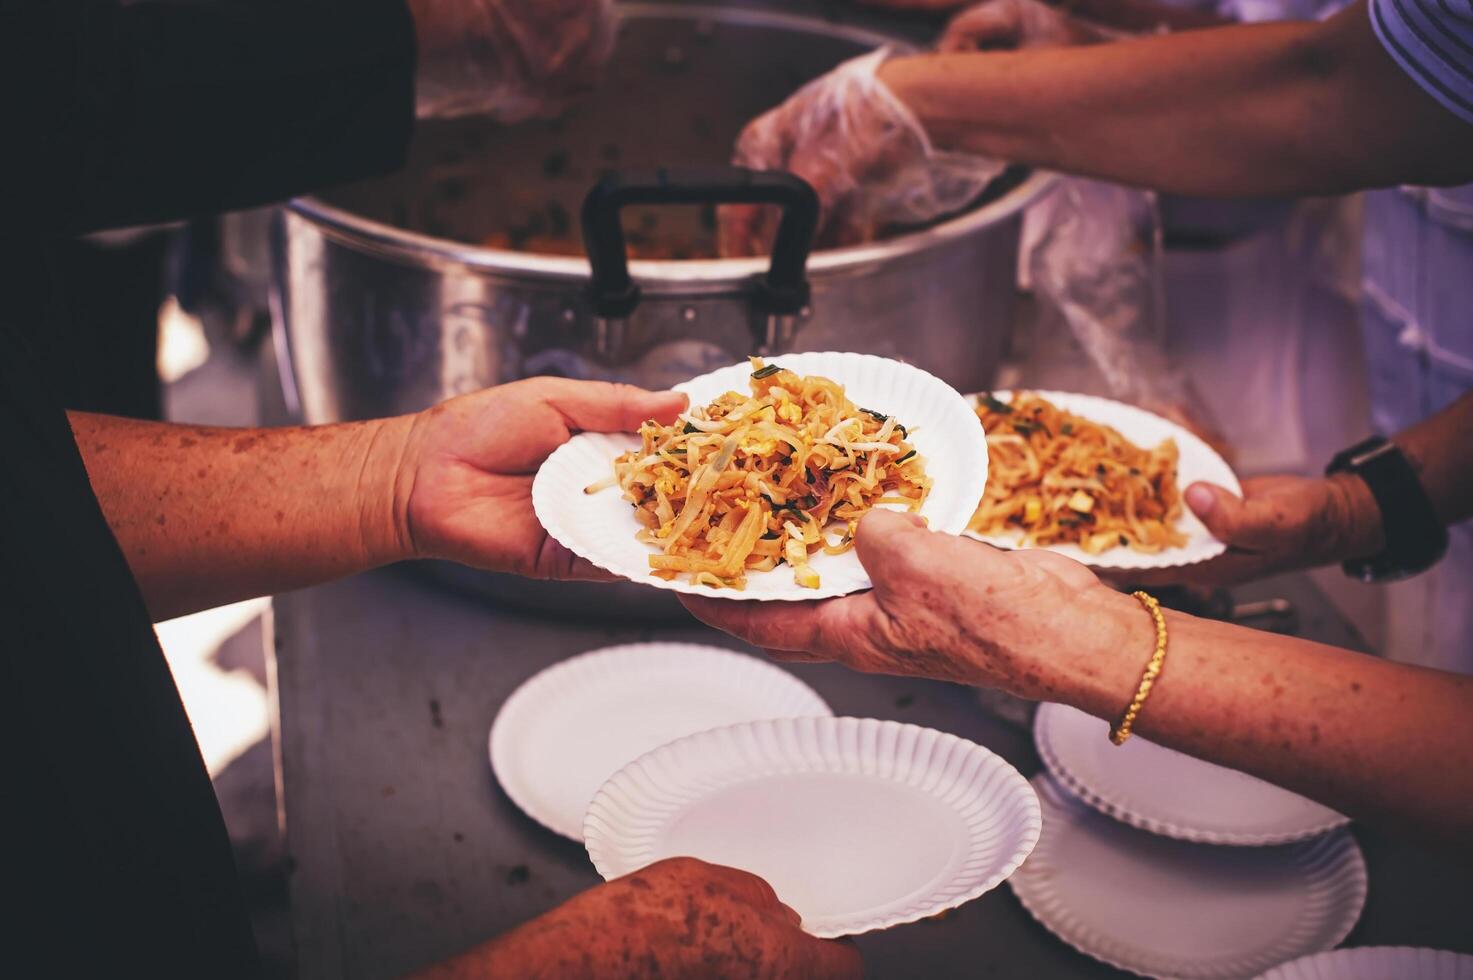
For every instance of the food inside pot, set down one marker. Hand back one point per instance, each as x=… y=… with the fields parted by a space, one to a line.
x=677 y=93
x=649 y=233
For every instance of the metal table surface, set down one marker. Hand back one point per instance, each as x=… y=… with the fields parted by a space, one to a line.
x=405 y=850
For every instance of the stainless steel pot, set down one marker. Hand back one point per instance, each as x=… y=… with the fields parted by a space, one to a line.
x=385 y=305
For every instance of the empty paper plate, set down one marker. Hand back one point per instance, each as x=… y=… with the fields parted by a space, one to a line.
x=572 y=726
x=857 y=824
x=1168 y=792
x=1377 y=963
x=1168 y=908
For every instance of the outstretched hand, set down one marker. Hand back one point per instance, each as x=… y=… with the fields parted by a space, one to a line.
x=942 y=607
x=464 y=490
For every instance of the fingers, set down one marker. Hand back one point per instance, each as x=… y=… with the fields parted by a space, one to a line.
x=1232 y=520
x=823 y=630
x=989 y=25
x=1061 y=567
x=777 y=626
x=572 y=568
x=597 y=406
x=899 y=549
x=797 y=656
x=838 y=958
x=743 y=885
x=884 y=535
x=1229 y=568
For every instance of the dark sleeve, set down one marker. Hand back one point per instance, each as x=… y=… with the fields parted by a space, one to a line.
x=124 y=112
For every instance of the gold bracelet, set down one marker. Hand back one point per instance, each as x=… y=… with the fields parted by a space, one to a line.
x=1121 y=730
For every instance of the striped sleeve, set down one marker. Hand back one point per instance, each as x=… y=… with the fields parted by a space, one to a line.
x=1432 y=41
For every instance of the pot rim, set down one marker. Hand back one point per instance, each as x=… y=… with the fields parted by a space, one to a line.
x=416 y=248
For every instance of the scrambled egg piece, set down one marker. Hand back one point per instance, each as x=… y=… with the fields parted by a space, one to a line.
x=757 y=446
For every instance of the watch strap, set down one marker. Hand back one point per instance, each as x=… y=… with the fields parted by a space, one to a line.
x=1415 y=538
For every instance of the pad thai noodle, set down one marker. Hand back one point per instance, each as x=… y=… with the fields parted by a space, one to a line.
x=776 y=476
x=1058 y=478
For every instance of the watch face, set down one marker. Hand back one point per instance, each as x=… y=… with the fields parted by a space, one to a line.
x=1361 y=459
x=1415 y=538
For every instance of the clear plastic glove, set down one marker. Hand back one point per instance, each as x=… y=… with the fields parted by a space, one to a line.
x=864 y=152
x=1016 y=24
x=509 y=59
x=1092 y=253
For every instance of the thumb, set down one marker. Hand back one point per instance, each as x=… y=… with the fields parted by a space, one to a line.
x=887 y=541
x=1228 y=517
x=597 y=406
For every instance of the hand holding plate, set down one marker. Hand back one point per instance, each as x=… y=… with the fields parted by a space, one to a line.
x=465 y=469
x=942 y=607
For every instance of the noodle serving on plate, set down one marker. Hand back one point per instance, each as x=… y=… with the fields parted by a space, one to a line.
x=1058 y=478
x=750 y=482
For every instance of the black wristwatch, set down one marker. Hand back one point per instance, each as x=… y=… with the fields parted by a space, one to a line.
x=1415 y=539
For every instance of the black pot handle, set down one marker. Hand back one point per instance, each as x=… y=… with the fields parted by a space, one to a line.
x=784 y=290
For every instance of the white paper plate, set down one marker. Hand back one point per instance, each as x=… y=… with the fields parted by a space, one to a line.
x=1377 y=963
x=858 y=824
x=1167 y=792
x=601 y=527
x=1166 y=908
x=565 y=731
x=1197 y=461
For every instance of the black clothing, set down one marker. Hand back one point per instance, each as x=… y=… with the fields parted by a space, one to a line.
x=122 y=113
x=111 y=328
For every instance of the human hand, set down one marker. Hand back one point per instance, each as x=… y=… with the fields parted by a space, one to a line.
x=943 y=607
x=510 y=59
x=464 y=486
x=865 y=154
x=1015 y=25
x=1281 y=523
x=678 y=918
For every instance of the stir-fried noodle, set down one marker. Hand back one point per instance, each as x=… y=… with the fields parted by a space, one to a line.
x=753 y=481
x=1058 y=478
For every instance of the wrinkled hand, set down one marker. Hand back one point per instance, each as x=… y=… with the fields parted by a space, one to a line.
x=1281 y=523
x=864 y=152
x=510 y=59
x=1015 y=25
x=679 y=918
x=464 y=490
x=702 y=920
x=942 y=607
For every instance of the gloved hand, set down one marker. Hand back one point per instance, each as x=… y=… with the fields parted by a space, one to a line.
x=864 y=152
x=1092 y=255
x=510 y=59
x=1015 y=24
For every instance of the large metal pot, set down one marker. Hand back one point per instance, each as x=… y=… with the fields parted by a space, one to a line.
x=384 y=305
